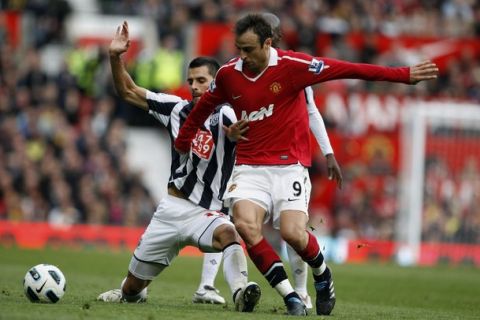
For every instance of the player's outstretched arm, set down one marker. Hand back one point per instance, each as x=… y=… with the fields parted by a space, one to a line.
x=426 y=70
x=125 y=86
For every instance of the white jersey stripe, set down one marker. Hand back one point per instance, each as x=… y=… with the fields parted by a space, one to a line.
x=295 y=59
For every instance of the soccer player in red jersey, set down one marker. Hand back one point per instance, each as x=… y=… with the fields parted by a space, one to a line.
x=265 y=86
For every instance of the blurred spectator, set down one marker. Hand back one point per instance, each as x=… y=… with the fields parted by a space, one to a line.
x=167 y=65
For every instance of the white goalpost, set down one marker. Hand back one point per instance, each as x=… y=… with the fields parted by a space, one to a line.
x=418 y=121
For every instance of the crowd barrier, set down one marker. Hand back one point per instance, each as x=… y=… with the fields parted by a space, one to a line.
x=38 y=235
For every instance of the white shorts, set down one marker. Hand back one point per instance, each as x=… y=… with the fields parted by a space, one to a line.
x=274 y=188
x=175 y=224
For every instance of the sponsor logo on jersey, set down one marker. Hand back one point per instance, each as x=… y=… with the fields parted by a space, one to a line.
x=276 y=87
x=316 y=66
x=212 y=86
x=258 y=115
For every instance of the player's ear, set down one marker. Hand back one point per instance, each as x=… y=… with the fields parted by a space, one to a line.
x=268 y=42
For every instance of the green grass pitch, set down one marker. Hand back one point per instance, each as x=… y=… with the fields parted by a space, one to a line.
x=367 y=291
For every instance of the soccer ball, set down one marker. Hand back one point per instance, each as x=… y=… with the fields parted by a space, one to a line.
x=44 y=283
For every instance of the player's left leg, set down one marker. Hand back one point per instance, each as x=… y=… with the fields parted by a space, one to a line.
x=206 y=292
x=292 y=229
x=292 y=196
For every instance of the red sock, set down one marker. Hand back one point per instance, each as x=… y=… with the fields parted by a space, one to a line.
x=268 y=262
x=312 y=254
x=263 y=255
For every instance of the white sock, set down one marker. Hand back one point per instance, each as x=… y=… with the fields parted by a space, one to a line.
x=318 y=271
x=284 y=288
x=235 y=268
x=299 y=271
x=211 y=264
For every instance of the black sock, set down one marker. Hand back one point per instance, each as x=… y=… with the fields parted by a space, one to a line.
x=324 y=276
x=292 y=295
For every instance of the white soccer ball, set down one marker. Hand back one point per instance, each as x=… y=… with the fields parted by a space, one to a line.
x=44 y=283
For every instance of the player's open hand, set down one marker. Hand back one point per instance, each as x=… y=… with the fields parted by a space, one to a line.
x=425 y=70
x=237 y=130
x=334 y=171
x=121 y=41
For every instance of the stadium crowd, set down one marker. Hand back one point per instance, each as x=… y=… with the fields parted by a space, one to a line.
x=62 y=150
x=62 y=136
x=305 y=22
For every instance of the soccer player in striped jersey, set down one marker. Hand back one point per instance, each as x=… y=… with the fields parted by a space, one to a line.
x=265 y=86
x=190 y=213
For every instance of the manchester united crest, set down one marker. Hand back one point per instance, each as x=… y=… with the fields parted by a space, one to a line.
x=276 y=87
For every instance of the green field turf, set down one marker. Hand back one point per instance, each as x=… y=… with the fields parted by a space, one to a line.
x=373 y=291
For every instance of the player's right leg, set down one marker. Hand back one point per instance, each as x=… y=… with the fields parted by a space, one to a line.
x=134 y=287
x=157 y=247
x=214 y=231
x=248 y=217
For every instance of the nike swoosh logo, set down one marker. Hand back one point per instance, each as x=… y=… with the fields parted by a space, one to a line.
x=292 y=199
x=236 y=97
x=40 y=289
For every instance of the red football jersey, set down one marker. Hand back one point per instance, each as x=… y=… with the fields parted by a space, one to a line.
x=274 y=104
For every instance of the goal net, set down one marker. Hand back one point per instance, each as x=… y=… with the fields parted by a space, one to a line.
x=439 y=216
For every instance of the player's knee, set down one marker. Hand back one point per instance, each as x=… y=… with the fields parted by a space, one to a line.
x=247 y=230
x=293 y=236
x=226 y=234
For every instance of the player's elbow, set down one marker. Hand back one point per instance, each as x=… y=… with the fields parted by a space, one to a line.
x=131 y=97
x=122 y=92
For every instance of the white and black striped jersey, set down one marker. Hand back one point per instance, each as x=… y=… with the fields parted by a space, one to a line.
x=204 y=174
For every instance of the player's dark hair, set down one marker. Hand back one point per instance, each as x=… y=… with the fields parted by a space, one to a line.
x=257 y=24
x=210 y=63
x=274 y=23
